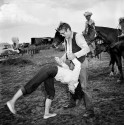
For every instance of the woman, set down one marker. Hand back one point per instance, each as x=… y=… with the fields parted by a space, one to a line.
x=47 y=73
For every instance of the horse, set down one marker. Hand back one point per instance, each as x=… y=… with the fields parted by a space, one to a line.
x=57 y=40
x=111 y=44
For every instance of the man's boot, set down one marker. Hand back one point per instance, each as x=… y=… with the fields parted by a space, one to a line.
x=72 y=102
x=89 y=107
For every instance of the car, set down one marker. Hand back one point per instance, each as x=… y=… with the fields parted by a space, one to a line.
x=7 y=49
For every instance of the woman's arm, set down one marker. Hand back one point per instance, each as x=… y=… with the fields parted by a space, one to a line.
x=61 y=63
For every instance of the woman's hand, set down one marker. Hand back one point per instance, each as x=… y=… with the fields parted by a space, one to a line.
x=71 y=88
x=71 y=56
x=58 y=60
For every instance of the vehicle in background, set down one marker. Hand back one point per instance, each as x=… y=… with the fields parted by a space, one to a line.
x=7 y=49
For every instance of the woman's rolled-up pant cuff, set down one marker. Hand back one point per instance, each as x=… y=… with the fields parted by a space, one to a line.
x=23 y=91
x=50 y=97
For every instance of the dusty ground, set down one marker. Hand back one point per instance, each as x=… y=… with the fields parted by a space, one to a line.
x=107 y=95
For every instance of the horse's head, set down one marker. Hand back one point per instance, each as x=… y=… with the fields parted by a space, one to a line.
x=58 y=39
x=91 y=34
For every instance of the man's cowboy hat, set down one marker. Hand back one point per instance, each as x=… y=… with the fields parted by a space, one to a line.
x=88 y=14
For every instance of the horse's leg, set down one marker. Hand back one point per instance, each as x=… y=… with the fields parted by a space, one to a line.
x=112 y=62
x=119 y=64
x=123 y=55
x=116 y=70
x=112 y=69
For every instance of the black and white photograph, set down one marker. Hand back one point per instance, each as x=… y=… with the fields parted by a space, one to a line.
x=61 y=62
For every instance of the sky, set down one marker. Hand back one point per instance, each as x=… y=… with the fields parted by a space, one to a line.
x=39 y=18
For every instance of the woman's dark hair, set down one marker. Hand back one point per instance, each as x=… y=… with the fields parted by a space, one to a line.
x=64 y=26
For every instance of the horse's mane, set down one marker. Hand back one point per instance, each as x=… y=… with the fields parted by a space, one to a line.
x=102 y=27
x=58 y=38
x=57 y=34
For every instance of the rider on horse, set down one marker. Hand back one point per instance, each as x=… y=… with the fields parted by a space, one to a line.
x=88 y=22
x=88 y=37
x=121 y=26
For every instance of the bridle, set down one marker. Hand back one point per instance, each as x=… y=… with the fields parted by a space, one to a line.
x=56 y=45
x=92 y=30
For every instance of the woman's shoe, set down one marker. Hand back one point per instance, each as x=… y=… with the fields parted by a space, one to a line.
x=49 y=115
x=11 y=108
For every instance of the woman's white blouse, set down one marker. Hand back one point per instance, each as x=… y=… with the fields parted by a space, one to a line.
x=67 y=76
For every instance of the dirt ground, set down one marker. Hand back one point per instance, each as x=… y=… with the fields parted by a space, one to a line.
x=107 y=94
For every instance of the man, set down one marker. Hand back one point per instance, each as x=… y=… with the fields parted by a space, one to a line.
x=76 y=44
x=89 y=21
x=88 y=37
x=15 y=41
x=121 y=26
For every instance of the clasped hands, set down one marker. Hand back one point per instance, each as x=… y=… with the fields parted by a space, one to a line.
x=71 y=88
x=58 y=60
x=71 y=56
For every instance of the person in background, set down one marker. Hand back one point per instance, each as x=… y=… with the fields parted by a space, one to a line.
x=121 y=26
x=58 y=71
x=91 y=23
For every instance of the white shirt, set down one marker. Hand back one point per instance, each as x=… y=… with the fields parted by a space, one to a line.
x=90 y=22
x=69 y=45
x=81 y=42
x=67 y=76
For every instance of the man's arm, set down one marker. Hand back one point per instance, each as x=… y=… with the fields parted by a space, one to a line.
x=86 y=27
x=76 y=62
x=83 y=45
x=92 y=24
x=63 y=58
